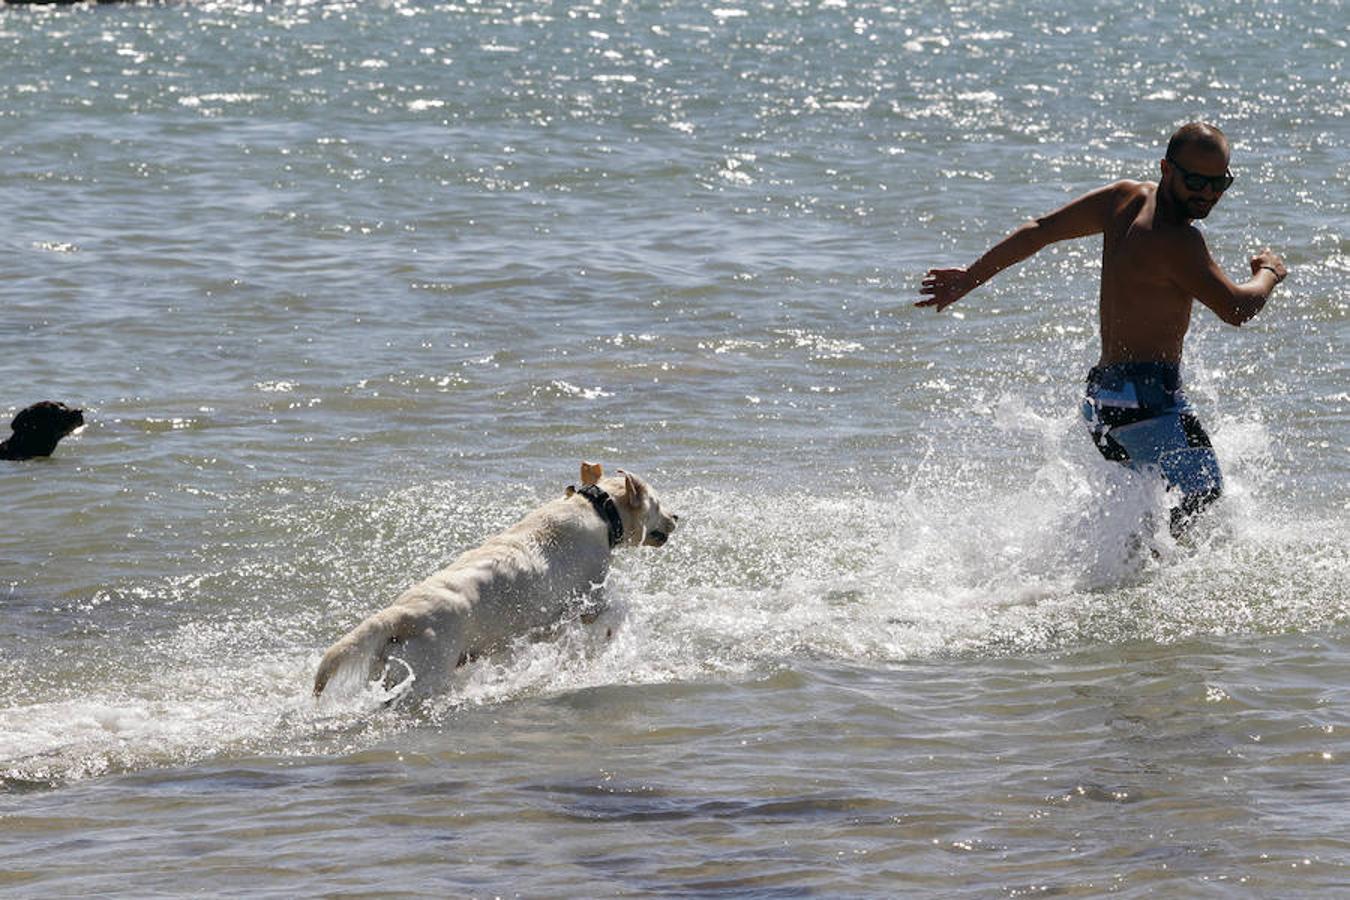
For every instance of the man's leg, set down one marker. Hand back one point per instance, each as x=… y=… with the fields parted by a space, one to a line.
x=1195 y=472
x=1177 y=445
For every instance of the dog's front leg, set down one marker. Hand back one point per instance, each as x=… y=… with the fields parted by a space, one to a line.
x=594 y=603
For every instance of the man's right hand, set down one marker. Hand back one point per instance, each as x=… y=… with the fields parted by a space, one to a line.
x=1267 y=259
x=945 y=286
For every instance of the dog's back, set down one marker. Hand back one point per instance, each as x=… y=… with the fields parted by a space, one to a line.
x=516 y=581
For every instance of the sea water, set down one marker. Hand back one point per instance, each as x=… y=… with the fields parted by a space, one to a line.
x=344 y=288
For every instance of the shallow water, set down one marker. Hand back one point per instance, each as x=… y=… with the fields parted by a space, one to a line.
x=344 y=288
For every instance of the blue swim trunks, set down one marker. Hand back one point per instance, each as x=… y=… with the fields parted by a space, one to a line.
x=1139 y=416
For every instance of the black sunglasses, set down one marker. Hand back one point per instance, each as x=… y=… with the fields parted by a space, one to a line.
x=1195 y=182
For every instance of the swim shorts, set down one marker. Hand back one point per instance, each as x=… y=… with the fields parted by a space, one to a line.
x=1139 y=416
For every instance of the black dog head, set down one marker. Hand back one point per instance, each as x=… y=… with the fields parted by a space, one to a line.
x=38 y=428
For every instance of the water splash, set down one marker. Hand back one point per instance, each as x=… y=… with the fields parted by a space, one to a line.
x=972 y=557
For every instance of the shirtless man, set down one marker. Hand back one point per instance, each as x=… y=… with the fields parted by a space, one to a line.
x=1154 y=263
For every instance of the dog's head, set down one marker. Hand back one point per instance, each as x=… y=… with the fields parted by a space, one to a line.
x=49 y=418
x=38 y=428
x=644 y=521
x=646 y=518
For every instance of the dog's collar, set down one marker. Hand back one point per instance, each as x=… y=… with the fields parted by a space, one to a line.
x=607 y=509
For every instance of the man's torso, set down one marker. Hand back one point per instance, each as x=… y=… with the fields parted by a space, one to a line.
x=1144 y=313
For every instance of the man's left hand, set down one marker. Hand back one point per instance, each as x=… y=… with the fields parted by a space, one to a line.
x=1268 y=259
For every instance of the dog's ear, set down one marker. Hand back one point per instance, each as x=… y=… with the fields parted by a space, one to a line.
x=634 y=491
x=590 y=473
x=26 y=419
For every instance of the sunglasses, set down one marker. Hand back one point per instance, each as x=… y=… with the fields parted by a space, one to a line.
x=1197 y=182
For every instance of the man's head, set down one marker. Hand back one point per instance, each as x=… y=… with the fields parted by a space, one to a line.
x=1195 y=170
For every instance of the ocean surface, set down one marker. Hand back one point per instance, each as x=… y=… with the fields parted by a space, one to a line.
x=345 y=287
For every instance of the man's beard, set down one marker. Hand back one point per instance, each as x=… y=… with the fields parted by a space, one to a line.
x=1198 y=209
x=1194 y=208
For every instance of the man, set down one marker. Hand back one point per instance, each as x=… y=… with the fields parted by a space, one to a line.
x=1154 y=264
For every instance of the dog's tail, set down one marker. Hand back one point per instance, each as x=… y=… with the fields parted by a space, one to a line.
x=359 y=655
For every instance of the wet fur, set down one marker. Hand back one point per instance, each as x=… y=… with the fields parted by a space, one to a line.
x=38 y=429
x=527 y=578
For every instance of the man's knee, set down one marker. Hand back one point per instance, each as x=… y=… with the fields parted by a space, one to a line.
x=1196 y=502
x=1191 y=506
x=1194 y=471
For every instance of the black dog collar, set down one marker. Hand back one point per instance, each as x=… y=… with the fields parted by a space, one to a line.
x=606 y=509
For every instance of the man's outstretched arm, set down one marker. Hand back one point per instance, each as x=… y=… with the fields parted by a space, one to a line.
x=1084 y=216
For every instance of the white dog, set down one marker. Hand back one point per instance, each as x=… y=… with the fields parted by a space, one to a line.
x=528 y=577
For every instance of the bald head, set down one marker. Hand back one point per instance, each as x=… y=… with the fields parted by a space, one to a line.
x=1201 y=135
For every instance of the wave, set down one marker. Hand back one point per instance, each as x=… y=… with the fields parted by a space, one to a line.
x=959 y=559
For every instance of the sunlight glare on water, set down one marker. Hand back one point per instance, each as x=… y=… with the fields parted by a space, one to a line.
x=345 y=288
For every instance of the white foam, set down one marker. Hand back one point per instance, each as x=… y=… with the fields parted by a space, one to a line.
x=1058 y=548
